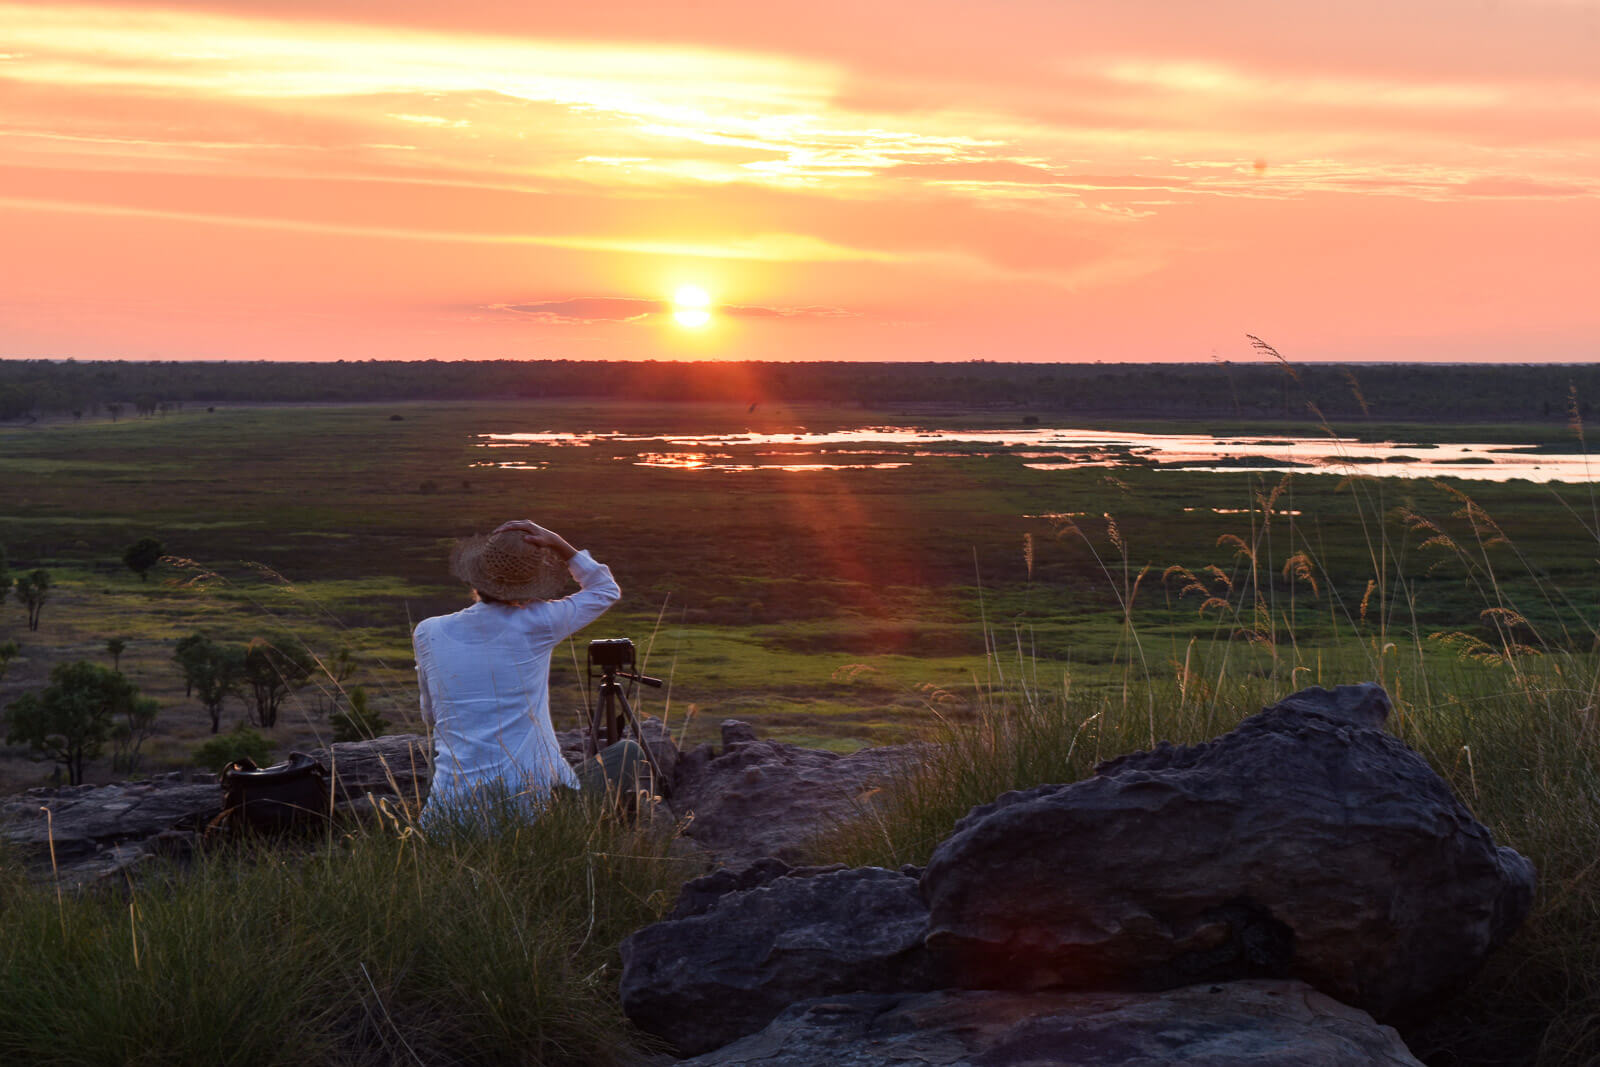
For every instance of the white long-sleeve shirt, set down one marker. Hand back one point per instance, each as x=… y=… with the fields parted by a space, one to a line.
x=484 y=678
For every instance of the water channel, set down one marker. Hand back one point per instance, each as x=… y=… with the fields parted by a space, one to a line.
x=890 y=447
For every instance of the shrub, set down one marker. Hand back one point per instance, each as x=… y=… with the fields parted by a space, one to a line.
x=241 y=742
x=358 y=722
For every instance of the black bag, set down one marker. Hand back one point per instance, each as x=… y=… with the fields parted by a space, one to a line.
x=277 y=798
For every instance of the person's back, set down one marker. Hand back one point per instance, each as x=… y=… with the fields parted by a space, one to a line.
x=483 y=672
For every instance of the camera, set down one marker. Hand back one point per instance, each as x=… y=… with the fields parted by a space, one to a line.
x=611 y=652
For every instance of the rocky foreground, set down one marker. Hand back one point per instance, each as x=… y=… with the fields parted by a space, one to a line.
x=1272 y=896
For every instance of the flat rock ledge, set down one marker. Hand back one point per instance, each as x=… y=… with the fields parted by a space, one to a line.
x=88 y=833
x=734 y=962
x=741 y=802
x=757 y=798
x=1235 y=1024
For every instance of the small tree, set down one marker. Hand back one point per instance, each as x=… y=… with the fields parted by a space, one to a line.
x=142 y=555
x=33 y=590
x=183 y=653
x=211 y=671
x=358 y=722
x=334 y=669
x=271 y=670
x=116 y=646
x=128 y=735
x=8 y=652
x=71 y=719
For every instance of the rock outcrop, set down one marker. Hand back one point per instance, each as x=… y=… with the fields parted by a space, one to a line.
x=657 y=740
x=1239 y=1024
x=398 y=766
x=86 y=832
x=104 y=831
x=1306 y=843
x=738 y=958
x=765 y=798
x=699 y=895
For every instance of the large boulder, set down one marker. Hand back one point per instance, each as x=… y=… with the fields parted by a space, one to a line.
x=1241 y=1024
x=1307 y=843
x=737 y=957
x=759 y=798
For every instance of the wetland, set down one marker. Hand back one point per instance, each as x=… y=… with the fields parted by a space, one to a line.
x=839 y=575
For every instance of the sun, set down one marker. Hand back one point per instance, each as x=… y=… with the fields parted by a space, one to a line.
x=691 y=307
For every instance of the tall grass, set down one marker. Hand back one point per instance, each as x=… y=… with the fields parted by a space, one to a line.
x=460 y=947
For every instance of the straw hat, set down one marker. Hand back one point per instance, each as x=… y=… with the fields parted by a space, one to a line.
x=506 y=567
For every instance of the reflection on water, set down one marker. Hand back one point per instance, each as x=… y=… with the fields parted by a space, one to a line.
x=1064 y=449
x=539 y=466
x=723 y=462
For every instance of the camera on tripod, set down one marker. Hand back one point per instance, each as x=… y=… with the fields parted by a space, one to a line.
x=610 y=652
x=610 y=659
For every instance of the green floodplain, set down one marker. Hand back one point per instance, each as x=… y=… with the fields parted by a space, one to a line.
x=832 y=608
x=1032 y=619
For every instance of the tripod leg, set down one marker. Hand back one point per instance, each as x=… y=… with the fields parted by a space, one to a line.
x=656 y=780
x=601 y=714
x=614 y=723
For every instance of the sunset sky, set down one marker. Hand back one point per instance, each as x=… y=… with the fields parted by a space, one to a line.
x=1040 y=180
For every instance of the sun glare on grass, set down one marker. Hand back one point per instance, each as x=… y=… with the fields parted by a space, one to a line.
x=691 y=307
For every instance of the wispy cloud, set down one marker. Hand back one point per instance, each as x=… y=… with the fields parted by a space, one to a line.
x=515 y=108
x=594 y=310
x=768 y=247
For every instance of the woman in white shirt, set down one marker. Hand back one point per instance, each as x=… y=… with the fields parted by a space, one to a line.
x=484 y=672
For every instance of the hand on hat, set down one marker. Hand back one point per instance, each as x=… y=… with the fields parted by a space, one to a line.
x=534 y=534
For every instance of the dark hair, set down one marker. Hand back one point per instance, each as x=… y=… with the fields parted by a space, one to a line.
x=484 y=598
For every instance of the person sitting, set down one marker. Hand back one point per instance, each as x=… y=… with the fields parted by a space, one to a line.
x=484 y=675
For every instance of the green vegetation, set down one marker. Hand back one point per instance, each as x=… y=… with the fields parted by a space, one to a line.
x=358 y=721
x=142 y=555
x=1264 y=389
x=33 y=589
x=70 y=721
x=272 y=668
x=241 y=742
x=381 y=946
x=212 y=671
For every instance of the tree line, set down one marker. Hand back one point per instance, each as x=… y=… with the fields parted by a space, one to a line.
x=1268 y=389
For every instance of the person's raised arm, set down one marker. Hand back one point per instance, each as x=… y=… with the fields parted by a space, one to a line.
x=598 y=589
x=535 y=534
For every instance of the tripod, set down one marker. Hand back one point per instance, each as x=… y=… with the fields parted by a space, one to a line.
x=612 y=713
